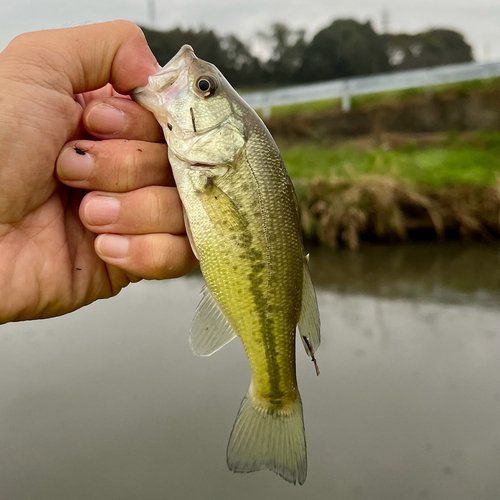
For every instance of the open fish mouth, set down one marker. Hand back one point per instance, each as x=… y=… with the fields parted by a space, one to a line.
x=164 y=82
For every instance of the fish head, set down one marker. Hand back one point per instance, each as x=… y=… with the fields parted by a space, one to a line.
x=199 y=111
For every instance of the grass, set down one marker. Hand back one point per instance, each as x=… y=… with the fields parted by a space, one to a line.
x=405 y=94
x=472 y=159
x=394 y=95
x=306 y=107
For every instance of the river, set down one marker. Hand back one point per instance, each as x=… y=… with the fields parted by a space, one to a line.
x=108 y=403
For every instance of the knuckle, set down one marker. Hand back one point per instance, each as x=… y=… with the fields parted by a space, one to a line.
x=127 y=172
x=129 y=26
x=161 y=262
x=154 y=206
x=131 y=31
x=30 y=39
x=23 y=38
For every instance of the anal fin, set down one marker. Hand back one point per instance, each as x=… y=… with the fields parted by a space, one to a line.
x=210 y=330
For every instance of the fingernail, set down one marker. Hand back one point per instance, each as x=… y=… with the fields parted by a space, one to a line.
x=105 y=119
x=74 y=164
x=113 y=246
x=102 y=210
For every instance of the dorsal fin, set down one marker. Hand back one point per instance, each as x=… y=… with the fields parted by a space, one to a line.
x=309 y=323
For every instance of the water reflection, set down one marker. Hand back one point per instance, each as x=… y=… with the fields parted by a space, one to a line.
x=448 y=272
x=108 y=402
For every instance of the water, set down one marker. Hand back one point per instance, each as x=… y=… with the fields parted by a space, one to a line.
x=109 y=403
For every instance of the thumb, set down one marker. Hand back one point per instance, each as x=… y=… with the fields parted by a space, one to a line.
x=88 y=57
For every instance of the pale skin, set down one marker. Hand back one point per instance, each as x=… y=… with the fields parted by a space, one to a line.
x=87 y=199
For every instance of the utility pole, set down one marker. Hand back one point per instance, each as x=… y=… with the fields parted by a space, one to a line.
x=385 y=21
x=152 y=13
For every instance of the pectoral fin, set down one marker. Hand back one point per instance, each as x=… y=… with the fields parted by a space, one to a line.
x=210 y=330
x=309 y=323
x=190 y=234
x=221 y=210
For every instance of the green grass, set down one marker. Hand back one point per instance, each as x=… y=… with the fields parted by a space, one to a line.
x=306 y=107
x=459 y=161
x=394 y=95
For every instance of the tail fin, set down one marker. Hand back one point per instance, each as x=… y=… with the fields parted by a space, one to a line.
x=262 y=439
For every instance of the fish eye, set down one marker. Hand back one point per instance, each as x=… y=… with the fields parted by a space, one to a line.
x=206 y=85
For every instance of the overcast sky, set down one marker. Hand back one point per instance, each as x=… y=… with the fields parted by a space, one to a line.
x=478 y=20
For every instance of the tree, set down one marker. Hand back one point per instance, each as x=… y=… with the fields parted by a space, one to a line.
x=242 y=68
x=286 y=47
x=229 y=54
x=430 y=48
x=345 y=48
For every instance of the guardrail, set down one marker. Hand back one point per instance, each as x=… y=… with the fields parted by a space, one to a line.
x=347 y=87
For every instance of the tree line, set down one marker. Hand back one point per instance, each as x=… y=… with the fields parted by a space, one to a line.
x=345 y=48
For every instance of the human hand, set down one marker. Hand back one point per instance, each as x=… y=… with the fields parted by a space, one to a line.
x=55 y=97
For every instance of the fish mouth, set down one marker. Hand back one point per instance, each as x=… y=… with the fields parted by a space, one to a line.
x=151 y=95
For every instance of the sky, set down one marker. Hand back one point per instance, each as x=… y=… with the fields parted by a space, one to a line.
x=478 y=20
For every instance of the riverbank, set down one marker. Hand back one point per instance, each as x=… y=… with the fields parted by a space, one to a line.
x=410 y=187
x=467 y=106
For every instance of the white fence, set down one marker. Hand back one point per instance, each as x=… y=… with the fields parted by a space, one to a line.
x=348 y=87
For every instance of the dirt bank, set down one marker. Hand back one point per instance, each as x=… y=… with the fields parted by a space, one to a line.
x=440 y=112
x=345 y=212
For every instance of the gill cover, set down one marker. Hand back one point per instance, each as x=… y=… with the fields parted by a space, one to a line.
x=197 y=108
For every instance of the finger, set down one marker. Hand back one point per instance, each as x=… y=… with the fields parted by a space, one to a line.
x=150 y=256
x=88 y=57
x=154 y=209
x=114 y=117
x=115 y=165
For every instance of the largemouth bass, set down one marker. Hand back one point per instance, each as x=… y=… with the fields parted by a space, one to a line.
x=242 y=219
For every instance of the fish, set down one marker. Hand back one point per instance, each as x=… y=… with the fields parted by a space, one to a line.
x=242 y=220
